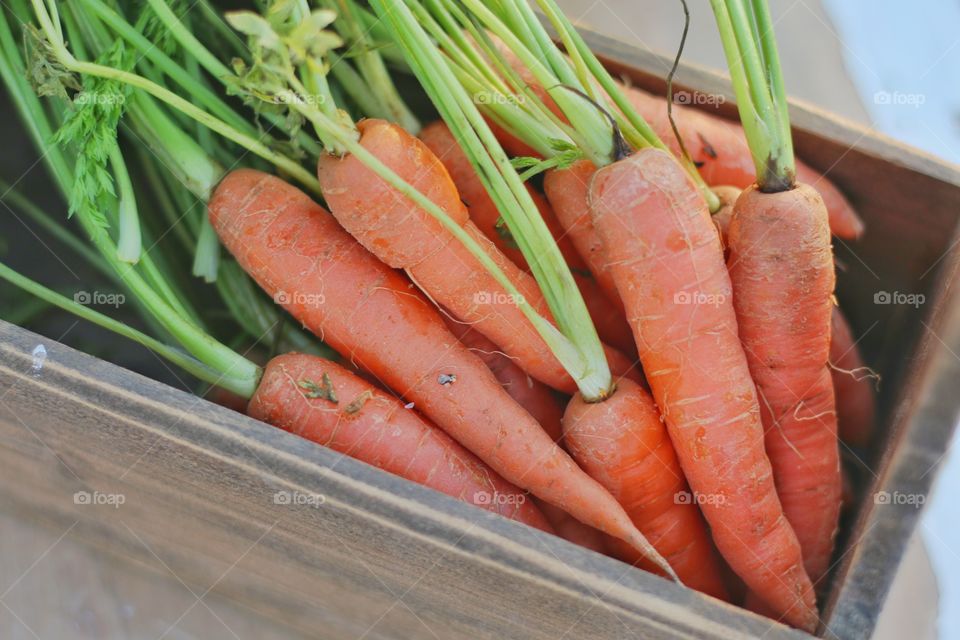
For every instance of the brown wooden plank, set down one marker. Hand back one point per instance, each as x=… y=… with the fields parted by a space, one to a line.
x=198 y=483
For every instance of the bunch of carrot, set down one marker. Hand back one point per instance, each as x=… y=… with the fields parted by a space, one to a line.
x=649 y=346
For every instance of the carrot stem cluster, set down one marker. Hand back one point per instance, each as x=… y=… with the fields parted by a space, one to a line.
x=749 y=43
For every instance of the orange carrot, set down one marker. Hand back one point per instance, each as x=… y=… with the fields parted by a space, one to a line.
x=567 y=190
x=622 y=443
x=324 y=403
x=851 y=384
x=546 y=409
x=667 y=262
x=851 y=378
x=373 y=316
x=438 y=137
x=538 y=399
x=853 y=395
x=781 y=267
x=403 y=235
x=607 y=316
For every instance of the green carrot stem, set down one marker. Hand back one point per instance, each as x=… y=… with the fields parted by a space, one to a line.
x=372 y=68
x=356 y=88
x=187 y=40
x=486 y=84
x=162 y=198
x=745 y=31
x=591 y=130
x=129 y=243
x=192 y=47
x=164 y=305
x=189 y=82
x=181 y=154
x=242 y=381
x=163 y=94
x=513 y=89
x=206 y=259
x=774 y=73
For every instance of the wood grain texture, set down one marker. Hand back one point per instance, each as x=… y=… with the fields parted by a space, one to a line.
x=387 y=559
x=379 y=555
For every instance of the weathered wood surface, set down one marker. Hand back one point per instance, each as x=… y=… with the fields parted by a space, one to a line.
x=379 y=555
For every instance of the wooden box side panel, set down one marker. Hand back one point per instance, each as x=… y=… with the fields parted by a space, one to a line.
x=349 y=549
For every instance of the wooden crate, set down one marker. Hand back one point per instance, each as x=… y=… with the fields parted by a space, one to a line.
x=366 y=553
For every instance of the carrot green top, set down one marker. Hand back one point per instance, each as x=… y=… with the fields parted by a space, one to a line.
x=87 y=165
x=749 y=43
x=598 y=122
x=286 y=76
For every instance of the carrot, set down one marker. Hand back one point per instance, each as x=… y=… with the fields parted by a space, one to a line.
x=623 y=444
x=567 y=191
x=483 y=212
x=546 y=409
x=403 y=235
x=782 y=272
x=721 y=152
x=851 y=378
x=851 y=384
x=373 y=316
x=666 y=258
x=538 y=399
x=607 y=315
x=721 y=218
x=781 y=267
x=324 y=403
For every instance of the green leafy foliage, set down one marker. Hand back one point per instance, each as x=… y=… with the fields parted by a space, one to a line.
x=287 y=75
x=91 y=129
x=566 y=154
x=279 y=43
x=155 y=30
